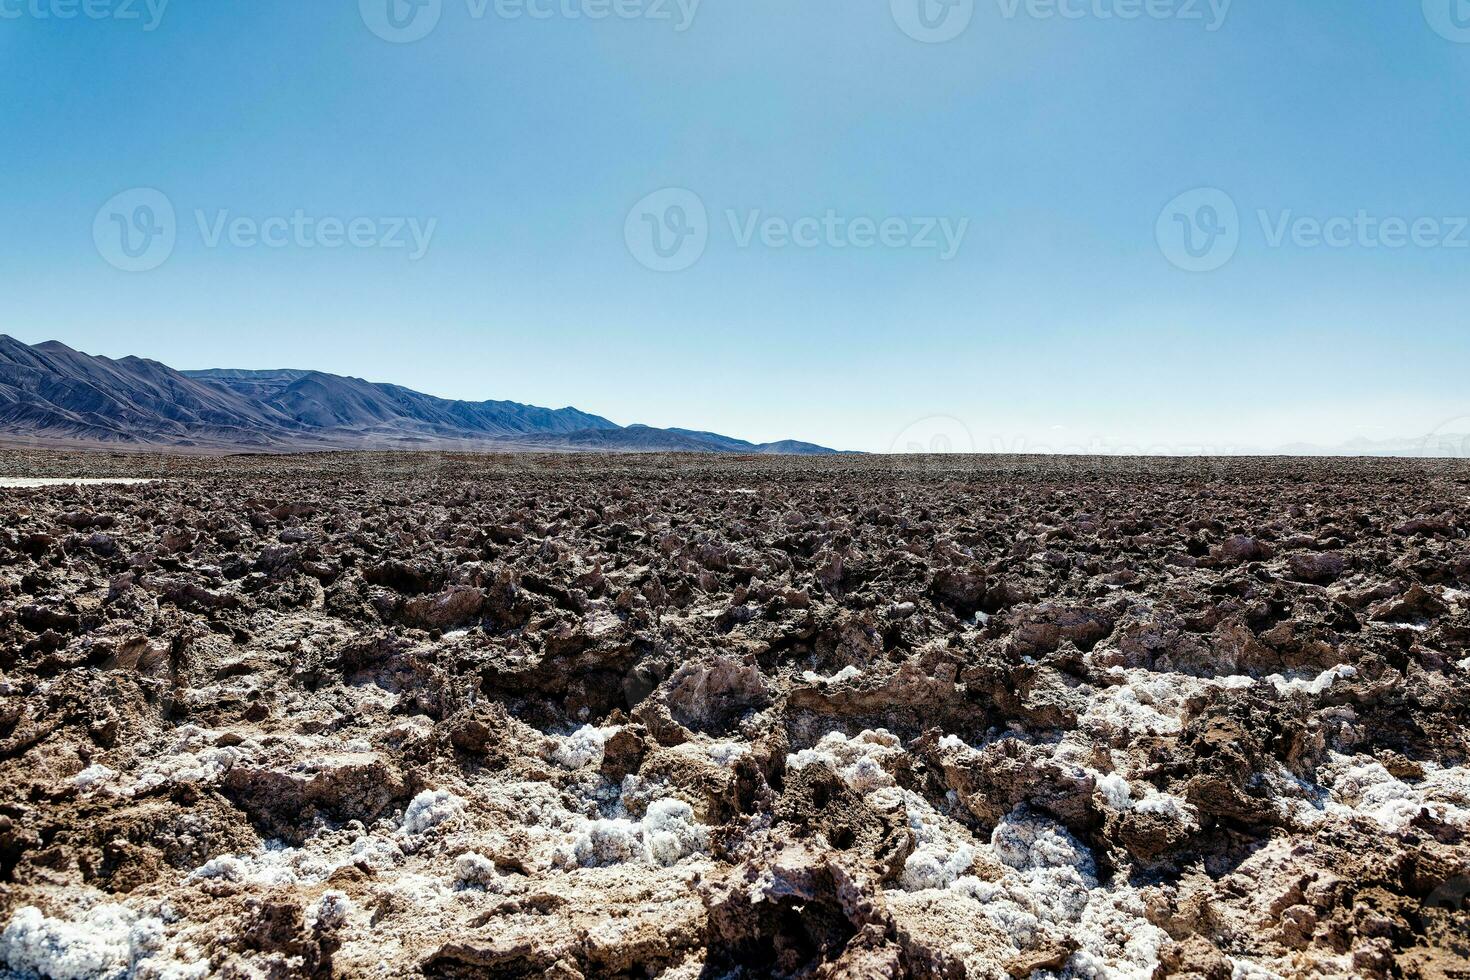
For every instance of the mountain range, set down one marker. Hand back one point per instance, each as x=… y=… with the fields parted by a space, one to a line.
x=52 y=395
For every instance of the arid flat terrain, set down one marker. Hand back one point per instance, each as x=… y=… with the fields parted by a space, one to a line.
x=679 y=716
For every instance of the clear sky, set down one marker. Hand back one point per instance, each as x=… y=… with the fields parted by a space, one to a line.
x=1023 y=280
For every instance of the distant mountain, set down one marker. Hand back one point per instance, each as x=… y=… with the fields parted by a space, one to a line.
x=789 y=447
x=327 y=401
x=53 y=395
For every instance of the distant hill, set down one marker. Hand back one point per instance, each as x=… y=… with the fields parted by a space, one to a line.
x=328 y=401
x=51 y=394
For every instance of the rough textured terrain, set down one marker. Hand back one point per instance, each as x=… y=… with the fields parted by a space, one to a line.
x=693 y=717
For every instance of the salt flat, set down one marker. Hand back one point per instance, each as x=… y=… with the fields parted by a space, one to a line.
x=26 y=482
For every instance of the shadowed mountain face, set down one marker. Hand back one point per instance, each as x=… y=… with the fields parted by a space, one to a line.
x=328 y=401
x=53 y=395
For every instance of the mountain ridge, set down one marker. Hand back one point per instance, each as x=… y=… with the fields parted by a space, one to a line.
x=53 y=394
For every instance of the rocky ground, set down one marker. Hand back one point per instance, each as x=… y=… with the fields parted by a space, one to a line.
x=692 y=717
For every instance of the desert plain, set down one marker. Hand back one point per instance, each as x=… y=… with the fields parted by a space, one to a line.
x=399 y=715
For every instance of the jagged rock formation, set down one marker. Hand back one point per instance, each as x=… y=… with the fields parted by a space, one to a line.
x=457 y=717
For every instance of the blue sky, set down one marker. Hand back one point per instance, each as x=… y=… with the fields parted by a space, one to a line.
x=521 y=147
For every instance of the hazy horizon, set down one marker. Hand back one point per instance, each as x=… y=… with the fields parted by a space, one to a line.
x=1056 y=224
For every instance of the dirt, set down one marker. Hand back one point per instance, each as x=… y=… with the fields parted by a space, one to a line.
x=391 y=715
